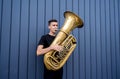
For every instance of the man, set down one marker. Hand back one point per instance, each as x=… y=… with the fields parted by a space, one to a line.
x=44 y=47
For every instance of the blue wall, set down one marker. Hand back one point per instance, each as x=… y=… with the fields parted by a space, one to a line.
x=22 y=22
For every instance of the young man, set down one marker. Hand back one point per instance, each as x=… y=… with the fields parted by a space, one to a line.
x=44 y=47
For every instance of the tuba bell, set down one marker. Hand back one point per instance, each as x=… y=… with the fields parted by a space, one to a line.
x=54 y=60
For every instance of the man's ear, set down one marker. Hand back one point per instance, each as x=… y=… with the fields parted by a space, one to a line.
x=49 y=27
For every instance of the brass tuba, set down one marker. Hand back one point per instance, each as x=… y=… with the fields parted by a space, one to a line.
x=54 y=60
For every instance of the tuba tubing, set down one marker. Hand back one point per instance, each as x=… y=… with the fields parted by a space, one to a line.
x=72 y=21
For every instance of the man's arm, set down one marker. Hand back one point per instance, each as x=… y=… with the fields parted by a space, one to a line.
x=41 y=50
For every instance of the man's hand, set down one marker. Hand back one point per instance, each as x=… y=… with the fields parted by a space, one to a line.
x=57 y=47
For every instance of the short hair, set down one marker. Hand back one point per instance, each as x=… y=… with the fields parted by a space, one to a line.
x=52 y=20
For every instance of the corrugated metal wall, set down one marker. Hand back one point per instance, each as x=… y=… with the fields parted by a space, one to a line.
x=22 y=22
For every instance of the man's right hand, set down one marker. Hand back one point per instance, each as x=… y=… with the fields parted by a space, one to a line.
x=57 y=47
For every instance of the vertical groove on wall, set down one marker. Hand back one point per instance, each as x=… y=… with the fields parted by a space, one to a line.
x=95 y=40
x=119 y=24
x=19 y=38
x=36 y=40
x=100 y=40
x=11 y=8
x=115 y=39
x=96 y=36
x=1 y=24
x=110 y=40
x=106 y=40
x=119 y=36
x=111 y=44
x=84 y=43
x=78 y=44
x=29 y=1
x=101 y=44
x=85 y=54
x=90 y=36
x=66 y=4
x=45 y=17
x=52 y=9
x=114 y=36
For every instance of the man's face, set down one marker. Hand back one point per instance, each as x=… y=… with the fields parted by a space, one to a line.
x=53 y=27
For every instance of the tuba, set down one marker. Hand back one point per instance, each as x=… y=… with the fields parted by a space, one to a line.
x=54 y=60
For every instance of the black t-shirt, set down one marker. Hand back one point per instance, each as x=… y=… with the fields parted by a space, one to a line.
x=46 y=40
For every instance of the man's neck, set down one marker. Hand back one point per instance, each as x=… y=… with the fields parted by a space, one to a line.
x=52 y=34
